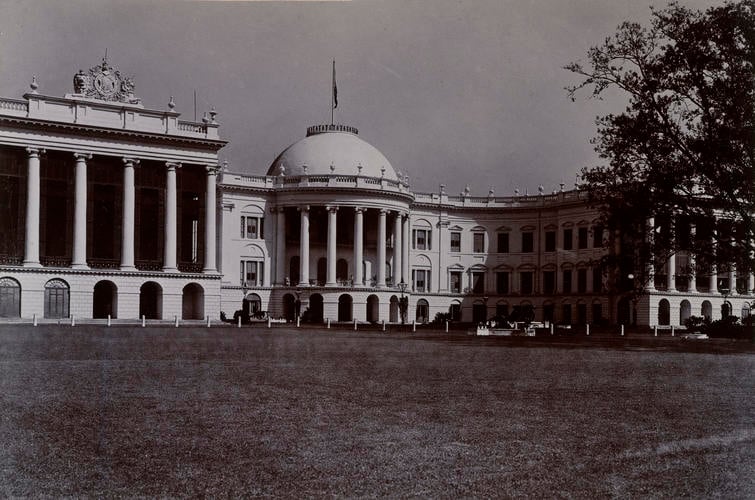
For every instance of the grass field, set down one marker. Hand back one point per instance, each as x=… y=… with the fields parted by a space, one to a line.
x=128 y=411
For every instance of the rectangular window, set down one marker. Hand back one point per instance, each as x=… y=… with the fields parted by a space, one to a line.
x=455 y=282
x=478 y=282
x=567 y=281
x=252 y=273
x=421 y=279
x=549 y=281
x=566 y=314
x=502 y=282
x=455 y=241
x=550 y=241
x=597 y=237
x=568 y=239
x=478 y=240
x=527 y=242
x=597 y=280
x=582 y=237
x=581 y=280
x=503 y=242
x=421 y=239
x=526 y=282
x=502 y=310
x=251 y=227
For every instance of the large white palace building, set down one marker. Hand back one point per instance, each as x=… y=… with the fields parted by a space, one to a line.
x=109 y=209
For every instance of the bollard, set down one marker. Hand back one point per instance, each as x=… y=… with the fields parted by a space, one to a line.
x=269 y=322
x=34 y=319
x=73 y=320
x=551 y=328
x=446 y=326
x=622 y=330
x=383 y=325
x=175 y=321
x=414 y=325
x=144 y=321
x=355 y=325
x=108 y=320
x=298 y=322
x=672 y=330
x=239 y=321
x=328 y=323
x=655 y=330
x=208 y=322
x=587 y=329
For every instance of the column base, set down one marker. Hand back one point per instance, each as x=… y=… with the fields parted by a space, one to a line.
x=128 y=268
x=170 y=269
x=79 y=266
x=303 y=284
x=331 y=284
x=31 y=263
x=209 y=270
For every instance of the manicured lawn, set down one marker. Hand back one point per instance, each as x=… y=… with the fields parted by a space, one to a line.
x=128 y=411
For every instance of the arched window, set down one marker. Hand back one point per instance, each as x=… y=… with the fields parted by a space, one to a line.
x=56 y=299
x=105 y=300
x=664 y=312
x=344 y=307
x=423 y=311
x=10 y=298
x=193 y=301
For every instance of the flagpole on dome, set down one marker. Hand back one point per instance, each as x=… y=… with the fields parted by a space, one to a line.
x=334 y=95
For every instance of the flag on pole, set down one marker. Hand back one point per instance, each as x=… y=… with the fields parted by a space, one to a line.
x=335 y=87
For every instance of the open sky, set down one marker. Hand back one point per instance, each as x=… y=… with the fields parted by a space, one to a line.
x=454 y=92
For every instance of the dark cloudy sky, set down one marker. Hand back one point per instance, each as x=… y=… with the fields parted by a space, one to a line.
x=455 y=92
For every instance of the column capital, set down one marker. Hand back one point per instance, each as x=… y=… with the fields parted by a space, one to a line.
x=331 y=208
x=212 y=169
x=303 y=208
x=35 y=152
x=173 y=165
x=359 y=210
x=275 y=210
x=82 y=156
x=129 y=161
x=383 y=211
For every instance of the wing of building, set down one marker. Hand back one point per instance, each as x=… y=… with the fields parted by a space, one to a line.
x=110 y=209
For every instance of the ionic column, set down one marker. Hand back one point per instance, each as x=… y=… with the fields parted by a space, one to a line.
x=358 y=246
x=691 y=264
x=650 y=269
x=331 y=256
x=304 y=247
x=171 y=218
x=31 y=243
x=79 y=260
x=209 y=227
x=397 y=249
x=671 y=276
x=381 y=248
x=280 y=246
x=129 y=208
x=405 y=242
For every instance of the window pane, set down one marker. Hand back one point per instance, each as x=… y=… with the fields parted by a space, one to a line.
x=526 y=282
x=456 y=242
x=503 y=242
x=582 y=237
x=243 y=226
x=550 y=241
x=567 y=239
x=527 y=242
x=479 y=242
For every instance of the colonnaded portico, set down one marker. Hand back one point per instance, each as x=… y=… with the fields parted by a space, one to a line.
x=109 y=208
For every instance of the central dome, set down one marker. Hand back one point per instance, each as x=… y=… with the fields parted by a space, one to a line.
x=332 y=150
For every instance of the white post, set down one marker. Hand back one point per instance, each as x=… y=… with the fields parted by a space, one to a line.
x=328 y=323
x=79 y=260
x=622 y=330
x=144 y=321
x=672 y=330
x=209 y=226
x=31 y=247
x=446 y=326
x=383 y=325
x=355 y=324
x=298 y=322
x=171 y=217
x=73 y=320
x=208 y=322
x=34 y=319
x=414 y=325
x=269 y=322
x=108 y=320
x=587 y=330
x=176 y=320
x=239 y=321
x=655 y=330
x=551 y=328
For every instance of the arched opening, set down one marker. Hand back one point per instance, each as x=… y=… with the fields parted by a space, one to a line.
x=725 y=309
x=344 y=307
x=57 y=296
x=707 y=310
x=454 y=311
x=10 y=298
x=623 y=311
x=289 y=307
x=373 y=308
x=105 y=300
x=151 y=300
x=393 y=310
x=342 y=270
x=745 y=318
x=685 y=311
x=293 y=271
x=316 y=311
x=479 y=312
x=192 y=302
x=252 y=306
x=581 y=313
x=423 y=311
x=664 y=312
x=549 y=312
x=322 y=270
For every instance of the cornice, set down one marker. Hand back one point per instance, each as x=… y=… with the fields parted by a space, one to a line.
x=108 y=272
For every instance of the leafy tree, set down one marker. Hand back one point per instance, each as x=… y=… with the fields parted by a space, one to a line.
x=682 y=151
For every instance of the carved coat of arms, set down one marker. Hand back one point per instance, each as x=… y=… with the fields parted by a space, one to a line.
x=104 y=83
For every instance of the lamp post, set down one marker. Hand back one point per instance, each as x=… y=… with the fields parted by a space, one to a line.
x=402 y=303
x=725 y=291
x=630 y=276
